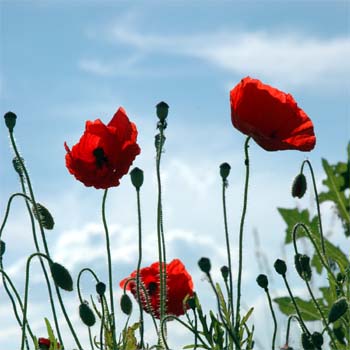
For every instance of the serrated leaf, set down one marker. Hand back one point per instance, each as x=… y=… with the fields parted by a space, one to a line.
x=292 y=217
x=307 y=308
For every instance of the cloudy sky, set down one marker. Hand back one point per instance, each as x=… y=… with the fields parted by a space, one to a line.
x=65 y=62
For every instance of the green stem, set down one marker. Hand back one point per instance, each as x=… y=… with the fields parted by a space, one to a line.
x=86 y=269
x=90 y=339
x=139 y=266
x=230 y=289
x=274 y=319
x=31 y=192
x=102 y=322
x=109 y=260
x=288 y=326
x=240 y=251
x=317 y=202
x=303 y=326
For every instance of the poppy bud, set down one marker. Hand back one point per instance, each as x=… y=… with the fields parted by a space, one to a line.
x=306 y=342
x=280 y=267
x=18 y=166
x=10 y=120
x=224 y=272
x=136 y=175
x=262 y=281
x=204 y=264
x=191 y=302
x=126 y=304
x=2 y=248
x=162 y=111
x=338 y=309
x=44 y=343
x=299 y=186
x=44 y=216
x=61 y=276
x=340 y=278
x=339 y=334
x=302 y=265
x=317 y=339
x=225 y=170
x=86 y=315
x=100 y=288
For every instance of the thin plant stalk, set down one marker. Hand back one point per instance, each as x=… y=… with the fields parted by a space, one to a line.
x=274 y=318
x=109 y=262
x=240 y=251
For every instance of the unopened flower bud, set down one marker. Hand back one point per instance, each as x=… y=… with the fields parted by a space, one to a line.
x=338 y=309
x=306 y=342
x=87 y=315
x=299 y=186
x=44 y=216
x=340 y=278
x=225 y=272
x=302 y=265
x=18 y=166
x=280 y=267
x=262 y=281
x=225 y=170
x=61 y=276
x=126 y=304
x=10 y=120
x=100 y=288
x=339 y=334
x=2 y=248
x=162 y=109
x=136 y=175
x=204 y=264
x=191 y=302
x=317 y=339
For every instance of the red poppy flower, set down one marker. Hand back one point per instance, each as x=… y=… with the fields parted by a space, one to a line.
x=105 y=152
x=271 y=117
x=179 y=285
x=45 y=343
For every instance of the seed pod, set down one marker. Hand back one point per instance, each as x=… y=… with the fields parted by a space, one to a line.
x=306 y=342
x=262 y=281
x=224 y=272
x=87 y=315
x=338 y=309
x=204 y=264
x=126 y=304
x=302 y=265
x=299 y=186
x=61 y=276
x=162 y=110
x=280 y=267
x=225 y=170
x=44 y=216
x=10 y=120
x=136 y=175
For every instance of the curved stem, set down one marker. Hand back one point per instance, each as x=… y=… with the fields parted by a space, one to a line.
x=109 y=260
x=317 y=202
x=303 y=326
x=86 y=269
x=274 y=319
x=139 y=266
x=230 y=289
x=240 y=260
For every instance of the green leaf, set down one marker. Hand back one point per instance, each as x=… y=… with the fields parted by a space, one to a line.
x=292 y=217
x=307 y=308
x=52 y=338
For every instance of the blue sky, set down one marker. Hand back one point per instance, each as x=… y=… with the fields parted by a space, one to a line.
x=64 y=62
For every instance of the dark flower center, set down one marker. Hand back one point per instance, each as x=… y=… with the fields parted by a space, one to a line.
x=100 y=157
x=152 y=288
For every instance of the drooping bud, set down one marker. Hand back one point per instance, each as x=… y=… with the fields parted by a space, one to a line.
x=317 y=339
x=280 y=267
x=61 y=276
x=18 y=166
x=339 y=334
x=262 y=281
x=306 y=342
x=100 y=288
x=2 y=248
x=126 y=304
x=302 y=265
x=204 y=264
x=10 y=120
x=338 y=309
x=162 y=109
x=44 y=216
x=87 y=315
x=136 y=175
x=225 y=171
x=224 y=272
x=299 y=186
